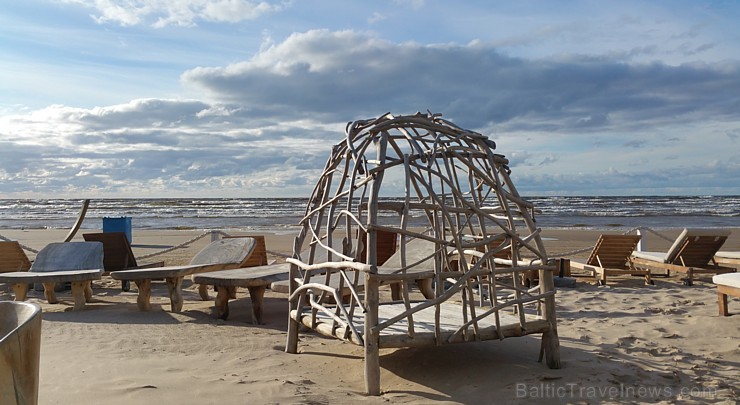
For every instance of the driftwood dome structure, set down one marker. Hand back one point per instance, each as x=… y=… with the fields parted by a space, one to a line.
x=454 y=248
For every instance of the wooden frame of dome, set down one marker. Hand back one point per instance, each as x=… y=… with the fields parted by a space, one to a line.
x=465 y=236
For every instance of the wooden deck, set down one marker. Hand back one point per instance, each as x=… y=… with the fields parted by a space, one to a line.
x=397 y=335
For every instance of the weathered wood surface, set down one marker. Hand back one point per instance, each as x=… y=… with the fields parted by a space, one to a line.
x=612 y=256
x=424 y=326
x=218 y=255
x=462 y=192
x=12 y=257
x=80 y=279
x=20 y=349
x=255 y=279
x=727 y=285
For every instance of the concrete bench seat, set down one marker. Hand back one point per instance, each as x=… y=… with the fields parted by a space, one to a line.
x=218 y=255
x=80 y=279
x=255 y=279
x=727 y=284
x=173 y=276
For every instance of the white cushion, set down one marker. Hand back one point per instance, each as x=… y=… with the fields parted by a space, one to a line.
x=654 y=256
x=728 y=279
x=728 y=255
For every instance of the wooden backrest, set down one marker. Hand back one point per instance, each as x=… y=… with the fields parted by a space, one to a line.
x=613 y=251
x=117 y=253
x=259 y=254
x=385 y=246
x=13 y=258
x=696 y=247
x=230 y=250
x=498 y=242
x=63 y=256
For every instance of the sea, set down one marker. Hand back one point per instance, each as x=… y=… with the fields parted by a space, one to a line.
x=275 y=214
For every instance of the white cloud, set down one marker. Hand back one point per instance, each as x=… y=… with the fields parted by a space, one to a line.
x=161 y=13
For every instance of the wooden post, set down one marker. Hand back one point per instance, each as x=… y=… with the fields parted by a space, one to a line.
x=145 y=292
x=78 y=293
x=372 y=340
x=550 y=341
x=174 y=287
x=20 y=290
x=49 y=294
x=256 y=294
x=222 y=302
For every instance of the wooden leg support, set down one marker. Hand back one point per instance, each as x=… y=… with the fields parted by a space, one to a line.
x=425 y=286
x=174 y=287
x=145 y=293
x=222 y=302
x=256 y=294
x=88 y=291
x=722 y=292
x=79 y=293
x=203 y=291
x=722 y=299
x=20 y=290
x=51 y=297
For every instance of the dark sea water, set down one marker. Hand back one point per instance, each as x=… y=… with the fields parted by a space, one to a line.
x=618 y=213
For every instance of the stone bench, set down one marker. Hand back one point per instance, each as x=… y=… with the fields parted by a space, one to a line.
x=255 y=279
x=218 y=255
x=81 y=284
x=727 y=284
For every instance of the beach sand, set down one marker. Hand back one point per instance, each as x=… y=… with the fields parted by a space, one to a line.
x=625 y=342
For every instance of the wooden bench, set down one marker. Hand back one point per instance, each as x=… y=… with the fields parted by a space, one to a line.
x=255 y=279
x=80 y=279
x=219 y=255
x=727 y=284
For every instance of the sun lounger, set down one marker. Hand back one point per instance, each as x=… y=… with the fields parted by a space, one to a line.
x=221 y=254
x=78 y=263
x=611 y=255
x=727 y=284
x=731 y=259
x=117 y=253
x=692 y=253
x=20 y=352
x=13 y=258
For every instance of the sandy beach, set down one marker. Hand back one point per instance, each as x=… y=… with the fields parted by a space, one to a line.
x=624 y=342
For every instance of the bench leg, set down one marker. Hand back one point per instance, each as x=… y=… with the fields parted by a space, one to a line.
x=145 y=293
x=722 y=299
x=88 y=291
x=257 y=294
x=203 y=291
x=174 y=287
x=51 y=297
x=79 y=291
x=425 y=286
x=222 y=301
x=20 y=290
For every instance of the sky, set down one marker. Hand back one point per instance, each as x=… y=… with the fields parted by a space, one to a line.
x=241 y=98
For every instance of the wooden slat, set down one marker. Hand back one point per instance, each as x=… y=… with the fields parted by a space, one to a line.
x=13 y=258
x=612 y=251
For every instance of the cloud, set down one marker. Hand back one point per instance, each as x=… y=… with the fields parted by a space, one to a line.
x=161 y=13
x=334 y=74
x=263 y=126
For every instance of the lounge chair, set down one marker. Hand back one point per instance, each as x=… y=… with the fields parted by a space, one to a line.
x=20 y=352
x=727 y=284
x=222 y=254
x=117 y=253
x=13 y=258
x=692 y=253
x=611 y=255
x=78 y=263
x=731 y=259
